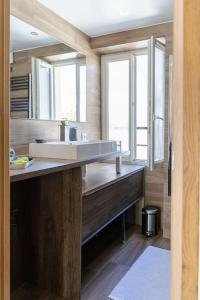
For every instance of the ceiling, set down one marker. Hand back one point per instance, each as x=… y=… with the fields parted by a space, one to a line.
x=99 y=17
x=21 y=37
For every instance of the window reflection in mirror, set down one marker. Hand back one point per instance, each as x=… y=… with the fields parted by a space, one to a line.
x=59 y=89
x=48 y=78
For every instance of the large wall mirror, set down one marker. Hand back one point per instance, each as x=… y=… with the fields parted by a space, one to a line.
x=48 y=78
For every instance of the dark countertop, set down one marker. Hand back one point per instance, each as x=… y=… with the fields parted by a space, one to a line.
x=98 y=175
x=42 y=167
x=101 y=175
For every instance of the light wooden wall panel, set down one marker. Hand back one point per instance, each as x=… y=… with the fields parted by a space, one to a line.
x=4 y=151
x=56 y=49
x=23 y=131
x=22 y=59
x=131 y=36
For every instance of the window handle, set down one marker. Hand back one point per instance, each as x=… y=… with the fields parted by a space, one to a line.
x=158 y=118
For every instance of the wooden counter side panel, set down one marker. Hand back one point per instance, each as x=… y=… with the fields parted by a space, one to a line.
x=100 y=207
x=50 y=236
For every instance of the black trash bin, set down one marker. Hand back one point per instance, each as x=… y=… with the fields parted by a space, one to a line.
x=150 y=220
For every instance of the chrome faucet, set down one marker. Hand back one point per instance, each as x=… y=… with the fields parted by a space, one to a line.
x=64 y=131
x=67 y=133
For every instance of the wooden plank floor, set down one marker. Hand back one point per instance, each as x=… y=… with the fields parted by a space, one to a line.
x=102 y=272
x=105 y=261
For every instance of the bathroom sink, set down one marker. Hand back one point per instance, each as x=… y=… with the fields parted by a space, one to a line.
x=72 y=150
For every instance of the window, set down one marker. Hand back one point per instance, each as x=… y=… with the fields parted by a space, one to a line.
x=159 y=107
x=141 y=99
x=65 y=88
x=42 y=90
x=59 y=90
x=70 y=84
x=118 y=104
x=133 y=91
x=82 y=109
x=157 y=102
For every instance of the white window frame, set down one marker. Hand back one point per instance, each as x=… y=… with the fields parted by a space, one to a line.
x=152 y=44
x=138 y=53
x=36 y=62
x=78 y=62
x=131 y=57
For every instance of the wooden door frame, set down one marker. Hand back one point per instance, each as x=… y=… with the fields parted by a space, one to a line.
x=186 y=150
x=4 y=151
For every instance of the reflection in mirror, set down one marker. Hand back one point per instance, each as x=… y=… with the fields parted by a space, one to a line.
x=48 y=78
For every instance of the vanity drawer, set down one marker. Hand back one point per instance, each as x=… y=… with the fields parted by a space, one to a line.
x=104 y=205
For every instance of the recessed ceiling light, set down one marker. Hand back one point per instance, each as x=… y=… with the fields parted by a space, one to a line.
x=34 y=33
x=123 y=13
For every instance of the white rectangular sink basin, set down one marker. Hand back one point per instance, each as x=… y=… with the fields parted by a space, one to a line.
x=72 y=150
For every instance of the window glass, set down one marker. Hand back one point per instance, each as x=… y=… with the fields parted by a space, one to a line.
x=159 y=82
x=82 y=93
x=141 y=106
x=44 y=104
x=65 y=92
x=158 y=140
x=141 y=152
x=159 y=104
x=141 y=90
x=118 y=102
x=141 y=137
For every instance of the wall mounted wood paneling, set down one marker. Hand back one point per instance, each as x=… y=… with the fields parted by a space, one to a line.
x=4 y=150
x=131 y=36
x=22 y=59
x=122 y=48
x=26 y=131
x=186 y=148
x=43 y=51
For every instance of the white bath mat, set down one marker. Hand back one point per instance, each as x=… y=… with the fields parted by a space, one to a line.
x=147 y=279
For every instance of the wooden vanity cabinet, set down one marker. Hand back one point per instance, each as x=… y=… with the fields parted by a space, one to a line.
x=103 y=206
x=51 y=218
x=46 y=233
